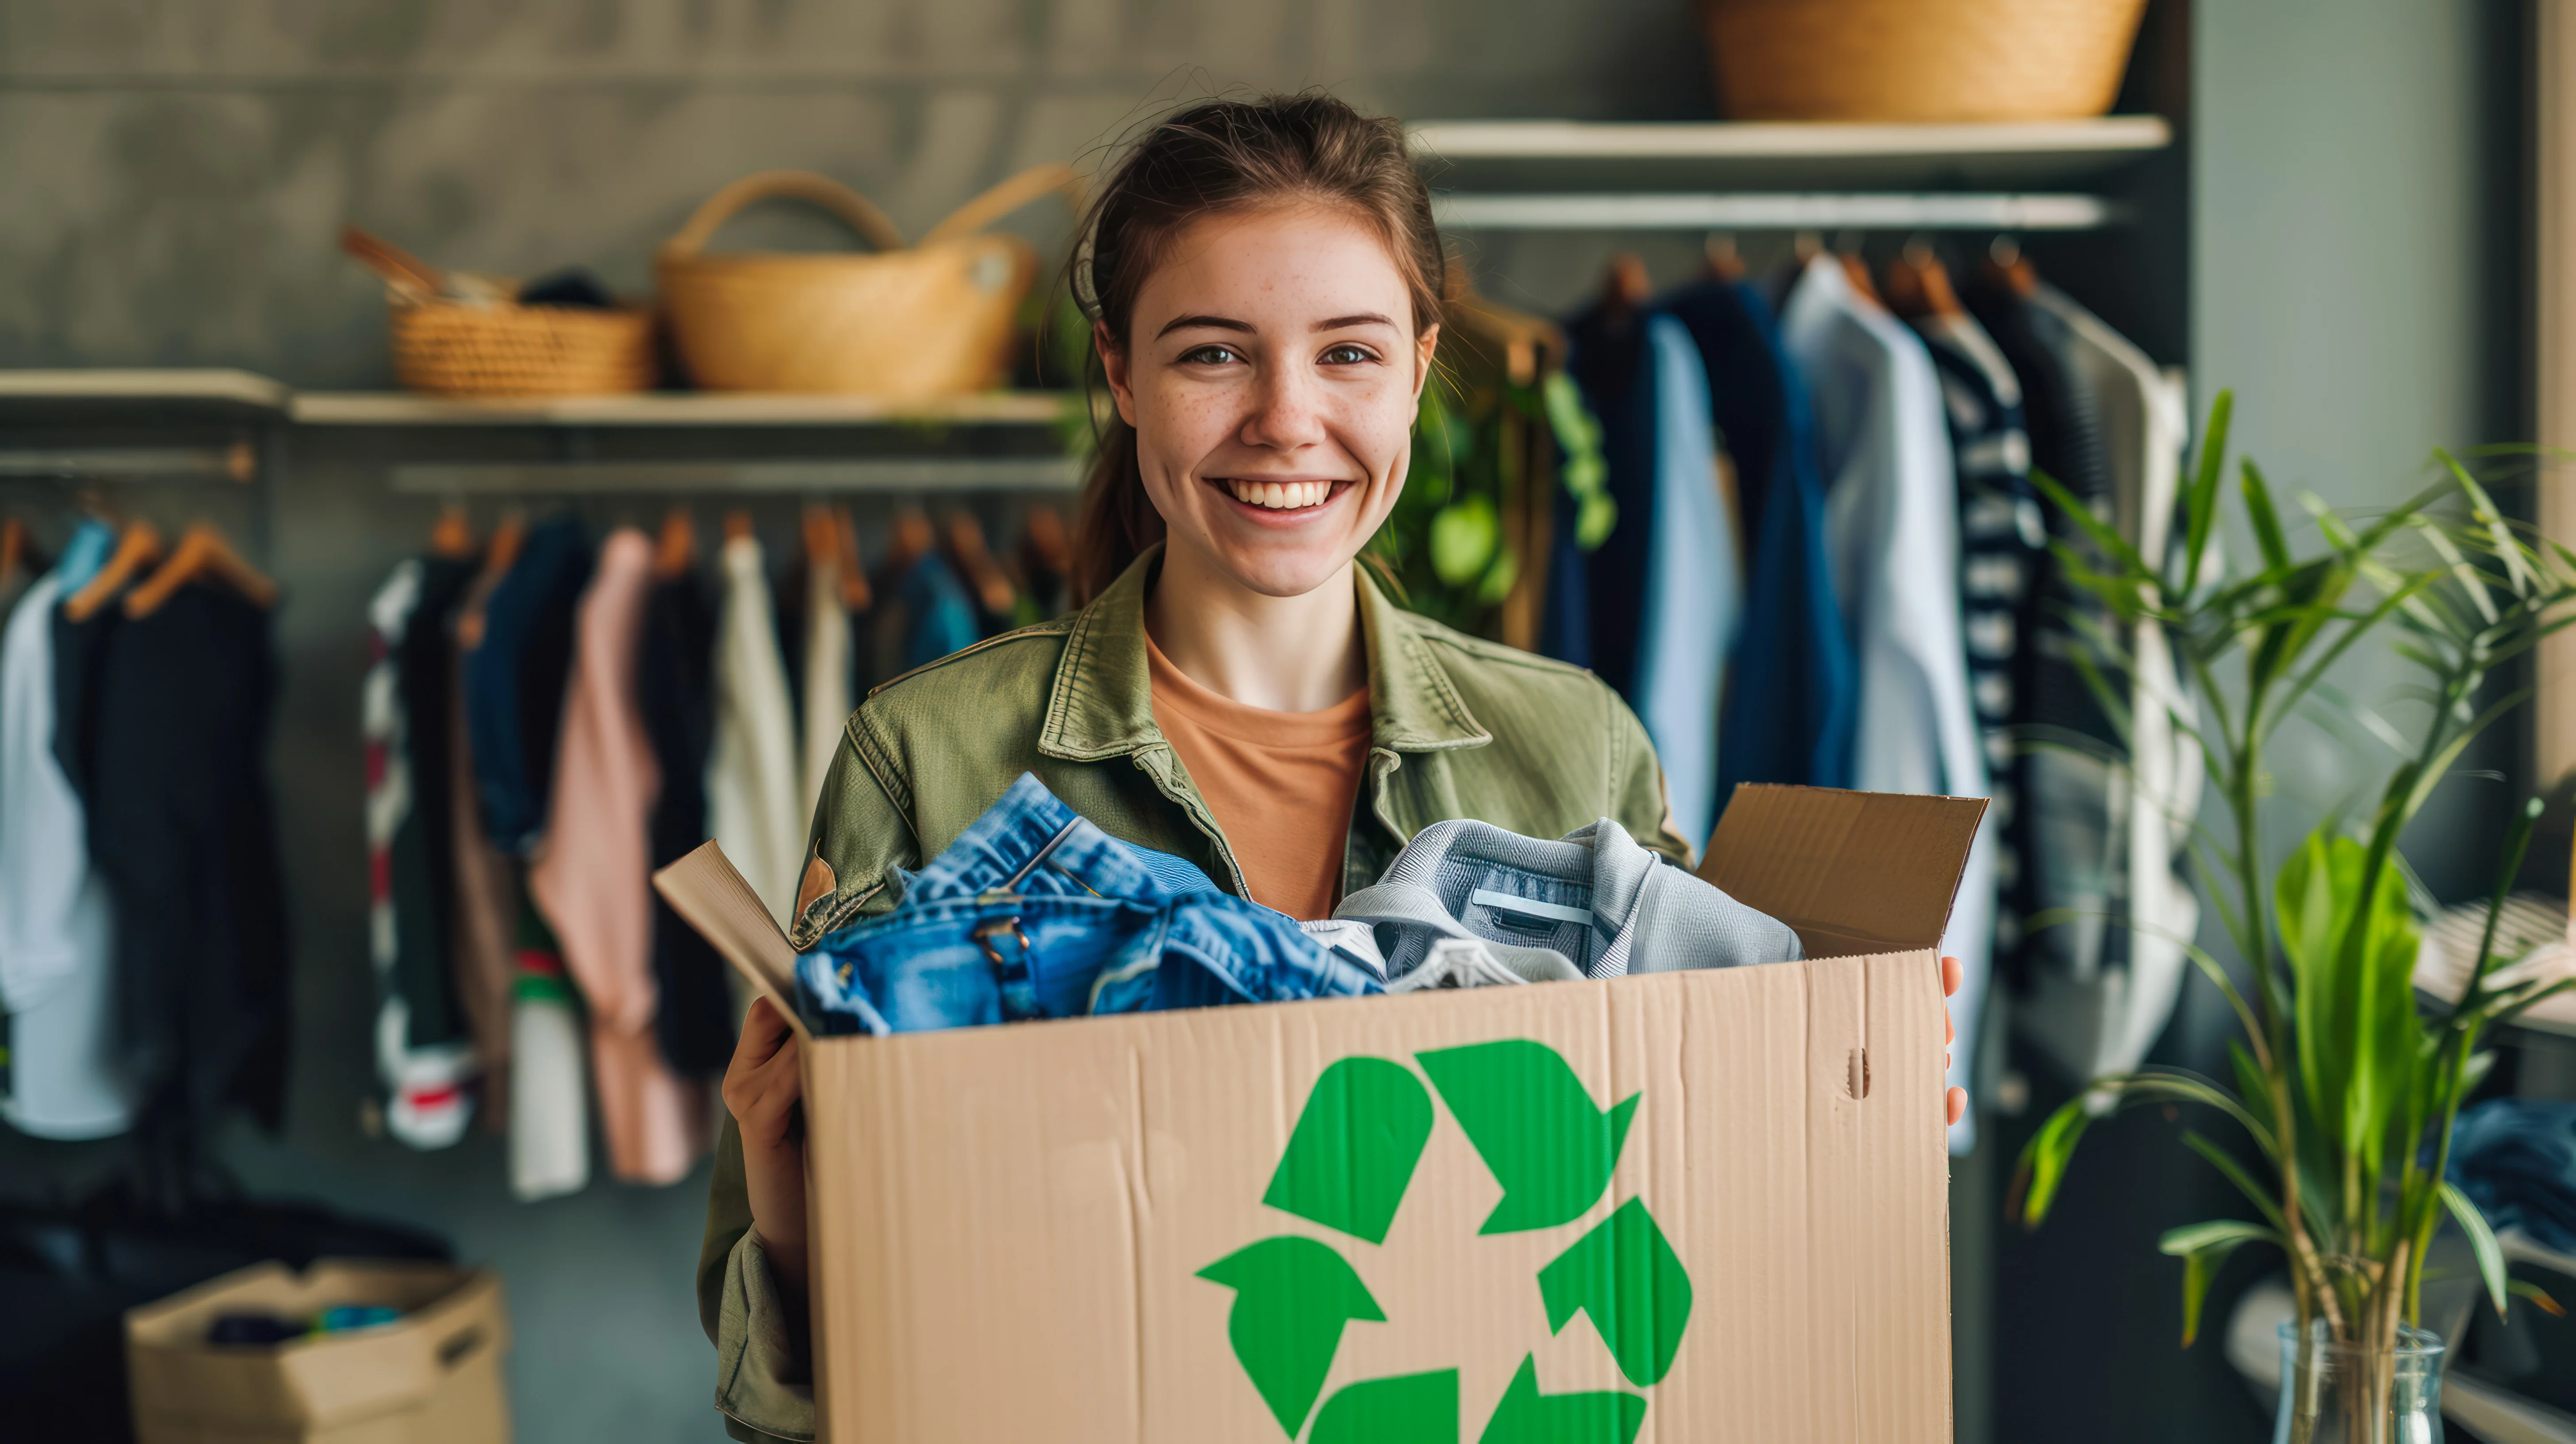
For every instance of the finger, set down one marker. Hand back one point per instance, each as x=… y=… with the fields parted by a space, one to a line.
x=764 y=1030
x=1958 y=1104
x=778 y=1073
x=1950 y=975
x=1949 y=1029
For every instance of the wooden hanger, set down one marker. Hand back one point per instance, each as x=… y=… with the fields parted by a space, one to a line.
x=677 y=551
x=1856 y=267
x=966 y=547
x=13 y=548
x=856 y=594
x=1043 y=537
x=1919 y=285
x=453 y=538
x=912 y=538
x=502 y=552
x=1627 y=287
x=1723 y=261
x=737 y=525
x=202 y=555
x=822 y=538
x=2007 y=266
x=137 y=547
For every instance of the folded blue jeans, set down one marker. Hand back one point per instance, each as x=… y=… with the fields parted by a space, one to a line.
x=1033 y=912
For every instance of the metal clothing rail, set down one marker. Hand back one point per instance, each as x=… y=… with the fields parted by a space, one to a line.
x=1771 y=211
x=597 y=478
x=238 y=462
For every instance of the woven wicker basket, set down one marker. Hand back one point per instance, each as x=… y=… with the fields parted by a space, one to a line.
x=906 y=322
x=1919 y=60
x=507 y=350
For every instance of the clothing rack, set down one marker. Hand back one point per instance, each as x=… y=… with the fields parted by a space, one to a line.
x=238 y=463
x=1763 y=210
x=913 y=475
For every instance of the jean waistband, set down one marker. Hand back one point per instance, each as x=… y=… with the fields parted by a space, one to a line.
x=1030 y=842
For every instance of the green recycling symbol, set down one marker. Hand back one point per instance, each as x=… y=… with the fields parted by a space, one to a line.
x=1347 y=1166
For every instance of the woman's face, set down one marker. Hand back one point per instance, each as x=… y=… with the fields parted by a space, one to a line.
x=1271 y=373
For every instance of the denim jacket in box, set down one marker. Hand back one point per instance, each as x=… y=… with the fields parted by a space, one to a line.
x=1035 y=913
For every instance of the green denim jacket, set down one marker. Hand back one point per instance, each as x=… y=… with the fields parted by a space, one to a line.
x=1462 y=728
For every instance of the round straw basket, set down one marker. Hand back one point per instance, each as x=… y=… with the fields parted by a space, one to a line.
x=1919 y=60
x=507 y=350
x=904 y=322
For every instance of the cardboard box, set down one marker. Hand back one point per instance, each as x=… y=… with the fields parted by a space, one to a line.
x=432 y=1377
x=1678 y=1206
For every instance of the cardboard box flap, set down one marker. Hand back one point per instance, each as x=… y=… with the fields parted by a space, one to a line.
x=1852 y=872
x=710 y=894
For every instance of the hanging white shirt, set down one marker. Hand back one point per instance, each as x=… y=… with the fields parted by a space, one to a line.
x=1892 y=535
x=2145 y=426
x=67 y=1077
x=827 y=679
x=752 y=784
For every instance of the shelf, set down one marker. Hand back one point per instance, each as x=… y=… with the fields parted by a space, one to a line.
x=2520 y=1247
x=892 y=476
x=21 y=391
x=680 y=408
x=2500 y=1415
x=238 y=462
x=1758 y=155
x=1761 y=211
x=84 y=393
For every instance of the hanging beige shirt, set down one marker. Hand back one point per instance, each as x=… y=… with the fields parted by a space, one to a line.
x=827 y=679
x=591 y=876
x=752 y=784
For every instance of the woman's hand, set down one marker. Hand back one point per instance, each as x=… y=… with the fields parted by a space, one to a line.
x=1958 y=1097
x=764 y=1087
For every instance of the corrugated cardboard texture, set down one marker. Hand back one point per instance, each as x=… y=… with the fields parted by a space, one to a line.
x=434 y=1377
x=1853 y=872
x=1009 y=1225
x=1009 y=1222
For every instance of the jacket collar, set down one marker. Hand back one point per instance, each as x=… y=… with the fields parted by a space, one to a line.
x=1102 y=705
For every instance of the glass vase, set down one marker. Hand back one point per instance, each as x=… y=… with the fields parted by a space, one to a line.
x=2339 y=1393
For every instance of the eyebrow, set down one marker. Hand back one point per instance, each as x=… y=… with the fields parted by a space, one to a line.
x=1213 y=323
x=1227 y=323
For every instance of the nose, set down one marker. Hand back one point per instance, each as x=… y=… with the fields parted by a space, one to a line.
x=1286 y=412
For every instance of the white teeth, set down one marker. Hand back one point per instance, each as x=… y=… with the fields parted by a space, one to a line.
x=1280 y=495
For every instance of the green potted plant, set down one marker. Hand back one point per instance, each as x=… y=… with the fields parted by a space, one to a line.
x=2344 y=1088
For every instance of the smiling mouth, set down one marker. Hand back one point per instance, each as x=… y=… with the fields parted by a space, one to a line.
x=1280 y=495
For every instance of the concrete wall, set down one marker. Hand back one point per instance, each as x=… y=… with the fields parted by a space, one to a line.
x=175 y=174
x=175 y=177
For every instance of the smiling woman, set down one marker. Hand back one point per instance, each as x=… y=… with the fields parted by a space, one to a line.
x=1263 y=281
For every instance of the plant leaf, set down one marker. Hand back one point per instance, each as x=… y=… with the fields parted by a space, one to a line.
x=2235 y=1173
x=2042 y=1166
x=2526 y=1289
x=2259 y=511
x=2482 y=1242
x=2200 y=502
x=2202 y=1248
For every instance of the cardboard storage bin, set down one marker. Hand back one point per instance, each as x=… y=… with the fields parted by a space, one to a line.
x=1676 y=1206
x=431 y=1377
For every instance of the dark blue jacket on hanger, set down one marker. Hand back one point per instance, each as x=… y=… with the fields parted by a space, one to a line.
x=1789 y=699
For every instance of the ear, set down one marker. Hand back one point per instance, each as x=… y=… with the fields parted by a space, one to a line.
x=1423 y=347
x=1113 y=367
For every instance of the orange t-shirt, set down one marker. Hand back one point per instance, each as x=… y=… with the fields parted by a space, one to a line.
x=1281 y=784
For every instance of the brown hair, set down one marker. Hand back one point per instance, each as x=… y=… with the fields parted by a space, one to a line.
x=1207 y=159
